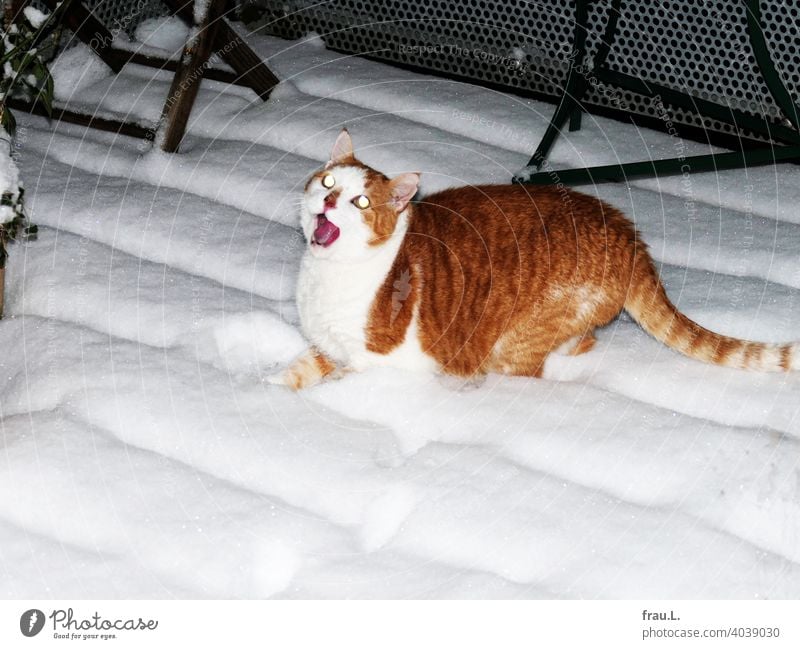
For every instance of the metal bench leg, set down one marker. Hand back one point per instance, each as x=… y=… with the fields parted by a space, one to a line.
x=773 y=80
x=669 y=166
x=573 y=90
x=575 y=119
x=739 y=159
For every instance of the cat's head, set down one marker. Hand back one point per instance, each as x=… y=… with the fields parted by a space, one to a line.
x=349 y=210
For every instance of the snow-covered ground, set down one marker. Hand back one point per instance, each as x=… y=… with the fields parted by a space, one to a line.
x=143 y=455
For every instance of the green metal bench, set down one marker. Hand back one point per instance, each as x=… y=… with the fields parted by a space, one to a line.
x=785 y=139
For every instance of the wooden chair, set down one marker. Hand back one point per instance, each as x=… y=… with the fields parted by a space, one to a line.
x=215 y=34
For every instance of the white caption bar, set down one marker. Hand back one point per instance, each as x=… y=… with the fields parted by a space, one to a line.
x=398 y=624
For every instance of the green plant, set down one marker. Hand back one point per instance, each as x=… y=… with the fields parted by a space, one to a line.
x=23 y=56
x=17 y=227
x=24 y=49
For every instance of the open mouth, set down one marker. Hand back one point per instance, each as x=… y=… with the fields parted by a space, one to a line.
x=325 y=233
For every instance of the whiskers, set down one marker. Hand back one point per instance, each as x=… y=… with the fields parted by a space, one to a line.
x=297 y=206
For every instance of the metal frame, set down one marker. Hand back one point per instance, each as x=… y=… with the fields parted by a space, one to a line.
x=575 y=89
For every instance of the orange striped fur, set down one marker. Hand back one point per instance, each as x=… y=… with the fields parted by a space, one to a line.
x=493 y=279
x=308 y=369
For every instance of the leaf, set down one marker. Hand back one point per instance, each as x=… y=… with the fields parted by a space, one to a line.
x=46 y=95
x=36 y=69
x=9 y=122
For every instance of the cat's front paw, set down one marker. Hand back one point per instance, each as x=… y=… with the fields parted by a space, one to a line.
x=293 y=378
x=306 y=370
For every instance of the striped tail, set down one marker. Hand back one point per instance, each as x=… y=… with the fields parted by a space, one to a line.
x=649 y=305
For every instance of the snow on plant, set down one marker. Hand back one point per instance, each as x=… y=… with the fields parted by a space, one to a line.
x=22 y=54
x=23 y=75
x=13 y=222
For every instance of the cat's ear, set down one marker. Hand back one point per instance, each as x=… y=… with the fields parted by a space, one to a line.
x=342 y=148
x=403 y=189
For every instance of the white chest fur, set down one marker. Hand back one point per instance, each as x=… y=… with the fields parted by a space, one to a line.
x=334 y=301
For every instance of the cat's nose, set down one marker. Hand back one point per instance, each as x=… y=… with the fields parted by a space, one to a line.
x=330 y=202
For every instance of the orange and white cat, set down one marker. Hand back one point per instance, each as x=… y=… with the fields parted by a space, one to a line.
x=475 y=280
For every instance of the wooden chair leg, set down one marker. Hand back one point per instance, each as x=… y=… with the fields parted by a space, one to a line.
x=249 y=67
x=247 y=64
x=82 y=22
x=11 y=9
x=186 y=82
x=215 y=35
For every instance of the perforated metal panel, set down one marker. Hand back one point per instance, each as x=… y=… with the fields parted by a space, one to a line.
x=120 y=16
x=699 y=47
x=125 y=15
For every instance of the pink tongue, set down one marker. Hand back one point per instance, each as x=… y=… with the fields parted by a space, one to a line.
x=326 y=232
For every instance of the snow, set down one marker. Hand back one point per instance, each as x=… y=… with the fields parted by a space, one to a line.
x=313 y=39
x=145 y=456
x=200 y=11
x=167 y=33
x=9 y=178
x=75 y=69
x=35 y=17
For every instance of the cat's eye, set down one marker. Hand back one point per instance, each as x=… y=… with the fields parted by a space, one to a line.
x=361 y=202
x=328 y=181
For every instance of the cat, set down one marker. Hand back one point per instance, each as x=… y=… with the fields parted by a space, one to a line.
x=474 y=280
